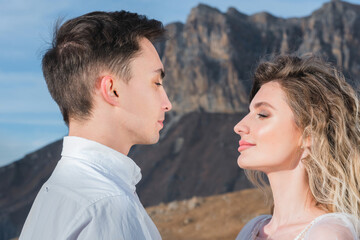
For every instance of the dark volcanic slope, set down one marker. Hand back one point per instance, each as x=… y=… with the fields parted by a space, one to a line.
x=20 y=182
x=197 y=157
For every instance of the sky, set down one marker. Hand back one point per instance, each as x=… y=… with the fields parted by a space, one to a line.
x=29 y=118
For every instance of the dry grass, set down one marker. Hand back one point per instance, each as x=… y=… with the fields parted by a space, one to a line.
x=217 y=217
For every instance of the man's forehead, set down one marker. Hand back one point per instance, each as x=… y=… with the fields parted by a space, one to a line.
x=146 y=45
x=161 y=72
x=148 y=56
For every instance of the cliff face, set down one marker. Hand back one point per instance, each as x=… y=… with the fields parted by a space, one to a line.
x=201 y=61
x=334 y=31
x=209 y=59
x=208 y=62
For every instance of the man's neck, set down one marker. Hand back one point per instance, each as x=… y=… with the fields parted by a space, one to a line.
x=99 y=132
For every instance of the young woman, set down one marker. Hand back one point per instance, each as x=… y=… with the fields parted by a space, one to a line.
x=303 y=132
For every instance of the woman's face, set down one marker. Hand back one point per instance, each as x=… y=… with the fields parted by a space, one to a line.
x=270 y=140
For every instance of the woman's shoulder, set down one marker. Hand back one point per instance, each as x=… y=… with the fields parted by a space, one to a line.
x=252 y=227
x=333 y=226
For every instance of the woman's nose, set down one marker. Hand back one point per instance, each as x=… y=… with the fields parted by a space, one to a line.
x=241 y=127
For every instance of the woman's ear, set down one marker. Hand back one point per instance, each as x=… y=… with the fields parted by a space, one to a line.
x=305 y=146
x=305 y=152
x=108 y=90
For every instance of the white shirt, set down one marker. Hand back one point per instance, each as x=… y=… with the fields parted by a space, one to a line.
x=90 y=195
x=331 y=226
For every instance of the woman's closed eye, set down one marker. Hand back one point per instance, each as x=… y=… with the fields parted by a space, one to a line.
x=262 y=115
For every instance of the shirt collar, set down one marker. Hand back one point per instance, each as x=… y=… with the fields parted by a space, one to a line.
x=103 y=158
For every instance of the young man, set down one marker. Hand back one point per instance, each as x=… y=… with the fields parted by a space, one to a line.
x=106 y=76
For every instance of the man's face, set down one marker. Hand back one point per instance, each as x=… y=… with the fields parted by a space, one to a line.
x=143 y=100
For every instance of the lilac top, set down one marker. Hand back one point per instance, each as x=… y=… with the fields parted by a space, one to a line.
x=331 y=226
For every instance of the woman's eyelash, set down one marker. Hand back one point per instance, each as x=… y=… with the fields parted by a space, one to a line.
x=158 y=84
x=260 y=115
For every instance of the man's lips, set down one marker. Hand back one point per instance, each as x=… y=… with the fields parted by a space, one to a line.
x=161 y=122
x=245 y=145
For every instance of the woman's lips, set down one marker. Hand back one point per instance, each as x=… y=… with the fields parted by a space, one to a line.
x=244 y=145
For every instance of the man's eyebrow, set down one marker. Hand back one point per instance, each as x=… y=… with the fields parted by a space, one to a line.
x=266 y=104
x=161 y=72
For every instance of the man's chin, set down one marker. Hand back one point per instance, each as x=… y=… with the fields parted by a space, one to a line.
x=151 y=140
x=156 y=139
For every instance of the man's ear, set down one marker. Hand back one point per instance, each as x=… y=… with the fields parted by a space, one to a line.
x=108 y=90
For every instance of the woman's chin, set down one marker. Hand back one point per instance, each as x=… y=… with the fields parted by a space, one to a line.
x=248 y=165
x=242 y=163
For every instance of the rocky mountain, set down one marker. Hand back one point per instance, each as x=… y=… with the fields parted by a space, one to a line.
x=209 y=59
x=208 y=62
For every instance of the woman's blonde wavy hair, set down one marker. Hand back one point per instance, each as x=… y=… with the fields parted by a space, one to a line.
x=326 y=109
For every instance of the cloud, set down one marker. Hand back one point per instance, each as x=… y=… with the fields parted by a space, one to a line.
x=22 y=139
x=24 y=92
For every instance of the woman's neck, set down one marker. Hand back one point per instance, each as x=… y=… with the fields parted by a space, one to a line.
x=293 y=201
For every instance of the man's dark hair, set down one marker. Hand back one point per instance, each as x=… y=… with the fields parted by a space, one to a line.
x=84 y=47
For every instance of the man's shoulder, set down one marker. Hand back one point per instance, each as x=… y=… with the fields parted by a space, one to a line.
x=84 y=194
x=65 y=215
x=83 y=184
x=81 y=190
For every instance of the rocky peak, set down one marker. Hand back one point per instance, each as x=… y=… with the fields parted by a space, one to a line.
x=198 y=62
x=333 y=31
x=337 y=12
x=204 y=12
x=233 y=12
x=334 y=7
x=263 y=18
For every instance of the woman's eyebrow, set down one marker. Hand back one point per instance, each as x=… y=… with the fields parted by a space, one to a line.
x=266 y=104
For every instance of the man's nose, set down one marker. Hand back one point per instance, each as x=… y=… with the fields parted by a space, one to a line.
x=167 y=106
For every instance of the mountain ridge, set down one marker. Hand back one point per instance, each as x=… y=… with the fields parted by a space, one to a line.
x=210 y=57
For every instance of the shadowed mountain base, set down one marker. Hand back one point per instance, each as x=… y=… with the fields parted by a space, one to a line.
x=196 y=156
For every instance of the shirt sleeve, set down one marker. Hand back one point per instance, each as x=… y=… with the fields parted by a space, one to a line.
x=332 y=228
x=111 y=218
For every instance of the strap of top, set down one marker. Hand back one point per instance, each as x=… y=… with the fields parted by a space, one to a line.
x=303 y=232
